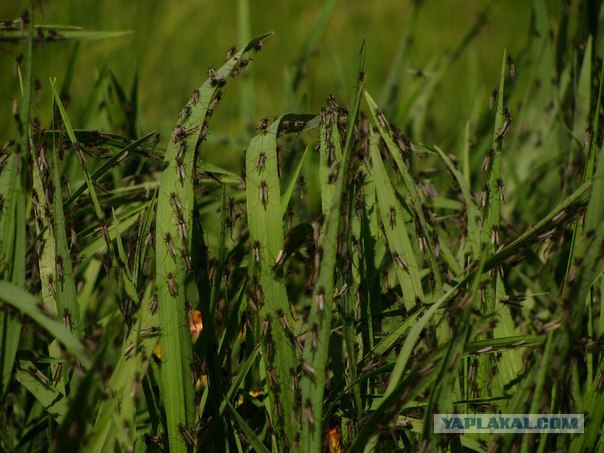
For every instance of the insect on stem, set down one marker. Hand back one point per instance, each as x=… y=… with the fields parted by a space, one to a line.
x=263 y=194
x=256 y=252
x=172 y=286
x=170 y=245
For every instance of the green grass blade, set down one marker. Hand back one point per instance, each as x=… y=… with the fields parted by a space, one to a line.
x=392 y=220
x=315 y=357
x=67 y=304
x=53 y=401
x=29 y=305
x=265 y=214
x=472 y=213
x=412 y=196
x=174 y=227
x=247 y=431
x=61 y=34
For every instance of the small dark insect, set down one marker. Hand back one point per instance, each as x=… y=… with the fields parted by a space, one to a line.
x=176 y=203
x=501 y=190
x=382 y=119
x=231 y=53
x=511 y=67
x=400 y=262
x=170 y=245
x=314 y=337
x=320 y=299
x=302 y=183
x=150 y=331
x=41 y=160
x=421 y=239
x=546 y=235
x=392 y=217
x=56 y=374
x=153 y=305
x=270 y=349
x=42 y=163
x=259 y=293
x=243 y=63
x=60 y=267
x=265 y=326
x=484 y=196
x=172 y=286
x=272 y=377
x=506 y=126
x=67 y=318
x=263 y=193
x=282 y=319
x=105 y=232
x=129 y=351
x=493 y=99
x=278 y=410
x=250 y=301
x=195 y=96
x=180 y=132
x=188 y=434
x=559 y=217
x=332 y=176
x=338 y=295
x=259 y=45
x=263 y=124
x=309 y=370
x=495 y=235
x=184 y=113
x=182 y=229
x=308 y=412
x=294 y=380
x=488 y=159
x=256 y=252
x=213 y=104
x=52 y=286
x=215 y=79
x=38 y=375
x=280 y=259
x=149 y=239
x=187 y=261
x=180 y=153
x=180 y=169
x=260 y=162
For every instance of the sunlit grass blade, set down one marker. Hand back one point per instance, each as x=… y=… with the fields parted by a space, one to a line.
x=399 y=149
x=392 y=220
x=265 y=214
x=174 y=227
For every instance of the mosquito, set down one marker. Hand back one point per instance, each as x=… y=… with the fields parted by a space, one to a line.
x=172 y=286
x=263 y=194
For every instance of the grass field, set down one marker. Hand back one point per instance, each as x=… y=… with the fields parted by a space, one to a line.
x=245 y=228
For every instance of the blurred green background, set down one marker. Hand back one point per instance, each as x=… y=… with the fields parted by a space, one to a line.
x=173 y=43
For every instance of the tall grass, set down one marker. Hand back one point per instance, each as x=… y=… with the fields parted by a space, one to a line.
x=352 y=281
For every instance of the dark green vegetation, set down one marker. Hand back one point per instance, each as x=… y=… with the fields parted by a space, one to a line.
x=352 y=280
